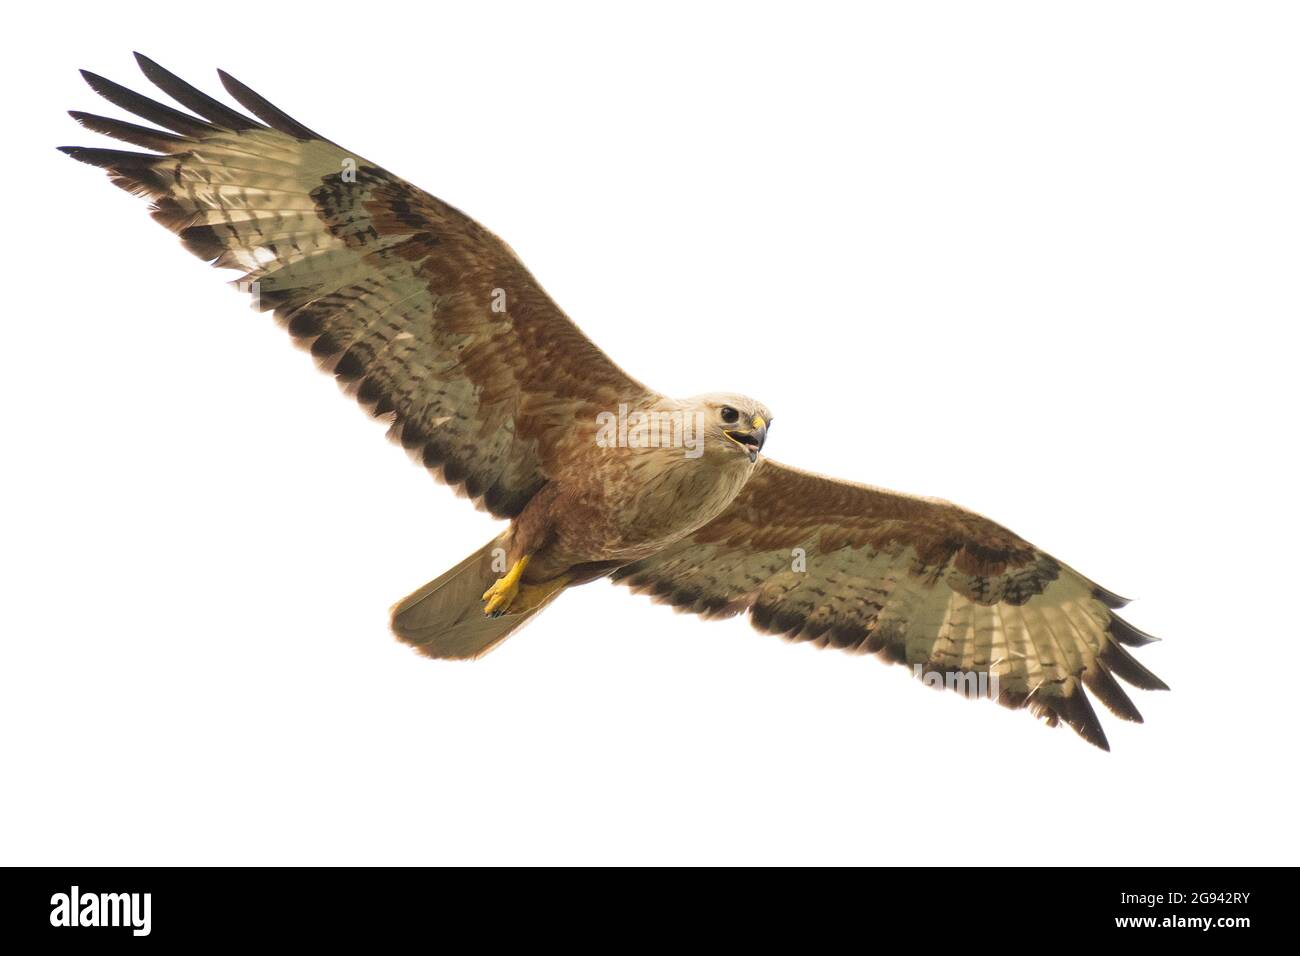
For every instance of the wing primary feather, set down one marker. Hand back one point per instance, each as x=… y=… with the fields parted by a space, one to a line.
x=1098 y=680
x=192 y=98
x=118 y=160
x=1079 y=714
x=1109 y=598
x=1126 y=667
x=131 y=133
x=266 y=111
x=146 y=108
x=1126 y=633
x=137 y=173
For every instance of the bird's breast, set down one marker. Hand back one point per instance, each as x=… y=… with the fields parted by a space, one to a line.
x=632 y=506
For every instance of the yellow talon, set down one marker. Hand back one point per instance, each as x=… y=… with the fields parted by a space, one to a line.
x=502 y=593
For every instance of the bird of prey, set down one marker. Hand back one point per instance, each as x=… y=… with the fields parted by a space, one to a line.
x=433 y=324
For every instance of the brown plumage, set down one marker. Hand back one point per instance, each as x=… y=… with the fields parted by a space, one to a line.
x=433 y=324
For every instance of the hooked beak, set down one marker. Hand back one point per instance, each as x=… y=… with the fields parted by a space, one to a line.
x=751 y=442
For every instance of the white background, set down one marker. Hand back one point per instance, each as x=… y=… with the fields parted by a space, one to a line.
x=1039 y=259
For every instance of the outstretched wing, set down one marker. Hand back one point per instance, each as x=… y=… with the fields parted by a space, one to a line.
x=421 y=312
x=916 y=580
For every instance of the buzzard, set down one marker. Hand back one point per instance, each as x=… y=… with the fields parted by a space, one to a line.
x=433 y=324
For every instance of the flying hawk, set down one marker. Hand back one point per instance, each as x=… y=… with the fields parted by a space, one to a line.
x=434 y=325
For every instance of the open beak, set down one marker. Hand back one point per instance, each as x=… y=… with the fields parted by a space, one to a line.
x=750 y=441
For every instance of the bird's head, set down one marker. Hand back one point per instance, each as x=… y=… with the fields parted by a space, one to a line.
x=733 y=424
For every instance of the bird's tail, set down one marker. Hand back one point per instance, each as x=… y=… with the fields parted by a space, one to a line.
x=445 y=618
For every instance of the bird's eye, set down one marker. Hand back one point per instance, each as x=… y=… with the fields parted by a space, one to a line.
x=730 y=415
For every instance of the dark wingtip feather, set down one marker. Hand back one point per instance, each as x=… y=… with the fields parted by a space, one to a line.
x=137 y=173
x=145 y=108
x=1126 y=633
x=128 y=132
x=1124 y=666
x=107 y=158
x=1109 y=598
x=193 y=98
x=1078 y=713
x=1100 y=682
x=264 y=110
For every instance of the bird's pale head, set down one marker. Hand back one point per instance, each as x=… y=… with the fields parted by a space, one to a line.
x=732 y=425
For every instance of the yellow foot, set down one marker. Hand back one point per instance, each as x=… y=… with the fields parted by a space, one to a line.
x=501 y=594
